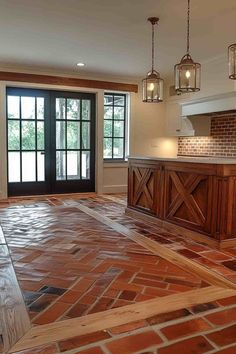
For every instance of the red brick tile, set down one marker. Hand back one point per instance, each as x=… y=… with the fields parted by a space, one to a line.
x=169 y=316
x=133 y=343
x=94 y=350
x=80 y=341
x=224 y=336
x=227 y=301
x=52 y=313
x=83 y=285
x=223 y=317
x=128 y=295
x=151 y=283
x=196 y=345
x=70 y=297
x=127 y=327
x=185 y=328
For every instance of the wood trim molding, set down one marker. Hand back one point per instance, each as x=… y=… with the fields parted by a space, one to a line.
x=67 y=81
x=99 y=321
x=14 y=318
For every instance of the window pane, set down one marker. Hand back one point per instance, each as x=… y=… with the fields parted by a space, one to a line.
x=40 y=108
x=107 y=128
x=118 y=147
x=86 y=110
x=73 y=109
x=41 y=166
x=108 y=112
x=28 y=167
x=108 y=100
x=60 y=135
x=28 y=107
x=119 y=113
x=13 y=167
x=13 y=106
x=118 y=128
x=61 y=165
x=60 y=108
x=73 y=165
x=107 y=148
x=13 y=135
x=85 y=165
x=119 y=100
x=73 y=135
x=28 y=135
x=40 y=135
x=85 y=135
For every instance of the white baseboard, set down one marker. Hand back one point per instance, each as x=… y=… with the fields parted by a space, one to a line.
x=115 y=189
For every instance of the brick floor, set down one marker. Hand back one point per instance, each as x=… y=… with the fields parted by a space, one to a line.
x=181 y=332
x=69 y=265
x=93 y=268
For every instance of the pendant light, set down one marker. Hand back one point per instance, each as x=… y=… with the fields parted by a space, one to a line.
x=187 y=72
x=153 y=84
x=232 y=61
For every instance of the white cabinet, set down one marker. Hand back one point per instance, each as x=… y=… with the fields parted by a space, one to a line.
x=176 y=125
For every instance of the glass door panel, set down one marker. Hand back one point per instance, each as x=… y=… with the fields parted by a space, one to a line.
x=74 y=142
x=51 y=141
x=26 y=141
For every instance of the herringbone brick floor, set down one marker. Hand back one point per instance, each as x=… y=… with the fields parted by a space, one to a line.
x=69 y=264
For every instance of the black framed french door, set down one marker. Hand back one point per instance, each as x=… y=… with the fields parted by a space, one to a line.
x=50 y=141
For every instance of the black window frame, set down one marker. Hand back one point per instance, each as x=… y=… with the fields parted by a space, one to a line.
x=125 y=120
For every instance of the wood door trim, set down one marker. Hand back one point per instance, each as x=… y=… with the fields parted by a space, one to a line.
x=67 y=81
x=92 y=323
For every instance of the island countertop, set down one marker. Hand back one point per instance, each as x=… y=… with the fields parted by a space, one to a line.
x=194 y=193
x=192 y=159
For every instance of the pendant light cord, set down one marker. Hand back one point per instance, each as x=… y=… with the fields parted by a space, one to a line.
x=153 y=46
x=188 y=26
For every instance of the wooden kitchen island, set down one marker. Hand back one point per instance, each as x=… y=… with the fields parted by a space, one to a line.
x=195 y=197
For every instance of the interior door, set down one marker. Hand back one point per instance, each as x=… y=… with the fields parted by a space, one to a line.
x=51 y=142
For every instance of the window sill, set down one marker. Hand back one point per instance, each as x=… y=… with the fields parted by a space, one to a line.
x=115 y=164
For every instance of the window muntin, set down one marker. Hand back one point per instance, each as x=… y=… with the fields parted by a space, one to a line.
x=115 y=111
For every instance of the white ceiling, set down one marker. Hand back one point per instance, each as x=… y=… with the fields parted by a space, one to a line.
x=111 y=36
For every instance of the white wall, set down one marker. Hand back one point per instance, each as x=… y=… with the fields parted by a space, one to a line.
x=147 y=129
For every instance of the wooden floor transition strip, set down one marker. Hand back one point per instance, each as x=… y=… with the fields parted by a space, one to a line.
x=2 y=238
x=14 y=319
x=92 y=323
x=115 y=199
x=162 y=251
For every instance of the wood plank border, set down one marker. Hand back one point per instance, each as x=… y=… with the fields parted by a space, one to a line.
x=14 y=317
x=92 y=323
x=162 y=251
x=67 y=81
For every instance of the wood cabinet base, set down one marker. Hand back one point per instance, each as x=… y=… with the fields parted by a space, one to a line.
x=198 y=200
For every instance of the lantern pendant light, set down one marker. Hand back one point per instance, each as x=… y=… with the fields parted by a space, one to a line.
x=153 y=84
x=187 y=72
x=232 y=61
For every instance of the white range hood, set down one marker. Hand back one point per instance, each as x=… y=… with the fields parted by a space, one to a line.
x=212 y=104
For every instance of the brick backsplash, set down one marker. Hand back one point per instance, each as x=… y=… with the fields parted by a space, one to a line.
x=221 y=142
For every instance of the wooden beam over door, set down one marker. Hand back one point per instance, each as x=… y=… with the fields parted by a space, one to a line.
x=67 y=81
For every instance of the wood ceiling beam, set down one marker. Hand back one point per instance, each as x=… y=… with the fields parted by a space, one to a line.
x=67 y=81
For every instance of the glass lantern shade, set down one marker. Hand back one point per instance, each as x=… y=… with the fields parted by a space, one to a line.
x=232 y=61
x=153 y=88
x=187 y=75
